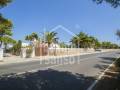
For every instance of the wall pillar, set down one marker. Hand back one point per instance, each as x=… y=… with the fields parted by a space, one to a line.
x=33 y=52
x=1 y=54
x=23 y=52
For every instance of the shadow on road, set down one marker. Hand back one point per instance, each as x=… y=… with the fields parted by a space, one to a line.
x=100 y=66
x=104 y=63
x=46 y=80
x=118 y=53
x=108 y=58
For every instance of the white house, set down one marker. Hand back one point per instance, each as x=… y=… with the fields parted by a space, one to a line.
x=54 y=46
x=25 y=44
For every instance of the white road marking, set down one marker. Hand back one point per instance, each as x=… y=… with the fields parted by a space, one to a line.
x=35 y=70
x=100 y=77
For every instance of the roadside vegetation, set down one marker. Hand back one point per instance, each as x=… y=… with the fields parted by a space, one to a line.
x=16 y=49
x=111 y=78
x=5 y=27
x=81 y=40
x=113 y=3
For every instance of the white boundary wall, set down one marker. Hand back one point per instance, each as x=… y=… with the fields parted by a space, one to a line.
x=1 y=54
x=69 y=51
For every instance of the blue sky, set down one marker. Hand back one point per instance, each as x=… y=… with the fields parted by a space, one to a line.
x=77 y=15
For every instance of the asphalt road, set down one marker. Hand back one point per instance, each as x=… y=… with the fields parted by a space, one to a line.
x=70 y=73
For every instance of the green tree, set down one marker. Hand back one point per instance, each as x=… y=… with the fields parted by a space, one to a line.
x=50 y=37
x=82 y=40
x=92 y=41
x=4 y=3
x=5 y=27
x=6 y=32
x=97 y=44
x=63 y=45
x=113 y=3
x=109 y=45
x=115 y=46
x=32 y=37
x=16 y=49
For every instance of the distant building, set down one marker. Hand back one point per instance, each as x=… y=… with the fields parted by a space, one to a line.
x=53 y=46
x=25 y=44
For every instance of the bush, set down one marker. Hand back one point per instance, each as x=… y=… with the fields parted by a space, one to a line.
x=28 y=53
x=16 y=49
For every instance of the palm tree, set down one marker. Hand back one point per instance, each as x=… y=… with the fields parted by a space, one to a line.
x=82 y=40
x=63 y=45
x=94 y=42
x=107 y=45
x=32 y=37
x=50 y=37
x=75 y=40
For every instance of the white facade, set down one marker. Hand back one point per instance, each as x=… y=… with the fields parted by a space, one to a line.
x=1 y=54
x=25 y=44
x=54 y=46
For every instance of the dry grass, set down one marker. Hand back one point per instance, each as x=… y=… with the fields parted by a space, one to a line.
x=110 y=81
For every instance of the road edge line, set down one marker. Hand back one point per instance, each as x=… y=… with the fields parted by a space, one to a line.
x=100 y=77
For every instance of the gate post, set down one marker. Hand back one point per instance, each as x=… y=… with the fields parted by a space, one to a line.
x=23 y=52
x=33 y=52
x=1 y=54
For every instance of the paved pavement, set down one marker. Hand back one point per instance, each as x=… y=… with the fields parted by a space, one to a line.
x=18 y=59
x=74 y=73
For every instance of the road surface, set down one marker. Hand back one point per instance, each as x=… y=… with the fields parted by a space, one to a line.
x=73 y=73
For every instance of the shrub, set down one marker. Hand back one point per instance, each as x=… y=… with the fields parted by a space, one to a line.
x=28 y=53
x=16 y=49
